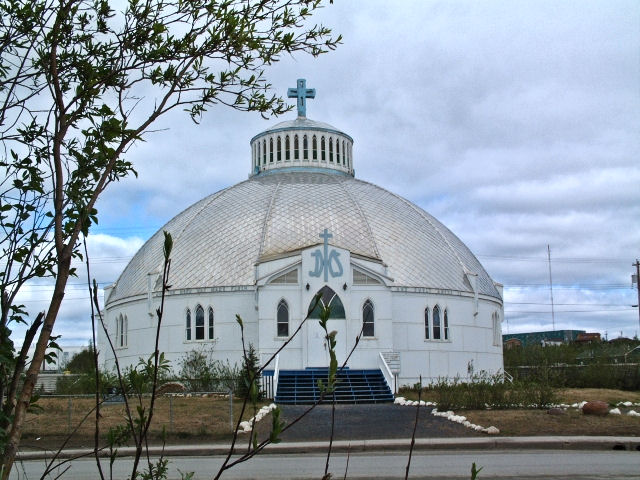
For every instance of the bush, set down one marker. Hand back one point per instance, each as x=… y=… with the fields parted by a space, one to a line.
x=491 y=391
x=251 y=365
x=200 y=373
x=85 y=384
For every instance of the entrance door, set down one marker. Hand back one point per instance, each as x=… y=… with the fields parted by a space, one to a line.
x=317 y=348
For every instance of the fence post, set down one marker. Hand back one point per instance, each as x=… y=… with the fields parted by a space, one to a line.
x=69 y=414
x=231 y=408
x=171 y=413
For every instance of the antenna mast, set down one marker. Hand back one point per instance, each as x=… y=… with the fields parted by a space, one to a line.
x=553 y=315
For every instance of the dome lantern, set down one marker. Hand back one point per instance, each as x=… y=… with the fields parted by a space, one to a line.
x=302 y=144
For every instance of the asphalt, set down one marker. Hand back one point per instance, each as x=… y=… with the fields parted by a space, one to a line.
x=374 y=428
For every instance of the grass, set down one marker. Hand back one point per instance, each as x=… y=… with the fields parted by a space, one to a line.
x=206 y=419
x=534 y=422
x=198 y=419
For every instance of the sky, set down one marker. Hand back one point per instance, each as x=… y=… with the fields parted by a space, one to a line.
x=516 y=124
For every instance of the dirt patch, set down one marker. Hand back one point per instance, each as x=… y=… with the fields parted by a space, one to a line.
x=192 y=419
x=575 y=395
x=539 y=422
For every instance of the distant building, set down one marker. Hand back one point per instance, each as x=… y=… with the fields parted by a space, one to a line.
x=588 y=337
x=550 y=337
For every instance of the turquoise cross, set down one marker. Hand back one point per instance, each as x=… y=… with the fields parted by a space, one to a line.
x=302 y=93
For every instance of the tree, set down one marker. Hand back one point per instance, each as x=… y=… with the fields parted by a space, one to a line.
x=82 y=362
x=80 y=83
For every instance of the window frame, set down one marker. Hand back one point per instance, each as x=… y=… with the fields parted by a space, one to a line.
x=187 y=319
x=427 y=324
x=437 y=323
x=283 y=305
x=122 y=327
x=199 y=324
x=210 y=323
x=368 y=306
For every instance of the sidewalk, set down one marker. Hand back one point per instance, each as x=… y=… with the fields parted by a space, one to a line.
x=385 y=445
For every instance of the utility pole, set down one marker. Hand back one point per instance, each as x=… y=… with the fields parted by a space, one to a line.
x=637 y=265
x=553 y=315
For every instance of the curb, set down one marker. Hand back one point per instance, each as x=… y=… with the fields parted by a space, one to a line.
x=386 y=445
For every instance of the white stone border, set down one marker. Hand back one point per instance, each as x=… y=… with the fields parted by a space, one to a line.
x=245 y=427
x=451 y=416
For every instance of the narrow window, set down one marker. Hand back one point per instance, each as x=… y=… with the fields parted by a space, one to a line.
x=305 y=147
x=199 y=323
x=121 y=331
x=331 y=149
x=322 y=149
x=314 y=146
x=427 y=335
x=264 y=152
x=436 y=323
x=283 y=319
x=296 y=153
x=337 y=151
x=497 y=334
x=445 y=325
x=279 y=158
x=271 y=150
x=188 y=325
x=287 y=148
x=210 y=323
x=368 y=329
x=344 y=153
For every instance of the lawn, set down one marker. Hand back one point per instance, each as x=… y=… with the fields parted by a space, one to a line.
x=206 y=419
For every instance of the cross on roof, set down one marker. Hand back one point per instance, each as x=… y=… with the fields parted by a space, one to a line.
x=301 y=92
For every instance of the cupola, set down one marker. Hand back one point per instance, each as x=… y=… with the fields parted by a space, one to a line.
x=302 y=144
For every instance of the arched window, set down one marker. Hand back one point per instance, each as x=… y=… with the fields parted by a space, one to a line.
x=271 y=150
x=264 y=152
x=445 y=325
x=188 y=325
x=328 y=298
x=199 y=323
x=121 y=331
x=305 y=148
x=337 y=151
x=436 y=323
x=427 y=333
x=296 y=153
x=322 y=149
x=279 y=143
x=283 y=319
x=368 y=329
x=331 y=149
x=287 y=148
x=211 y=337
x=314 y=147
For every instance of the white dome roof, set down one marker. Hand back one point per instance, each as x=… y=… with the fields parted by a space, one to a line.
x=219 y=240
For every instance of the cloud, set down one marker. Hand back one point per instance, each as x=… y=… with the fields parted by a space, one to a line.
x=515 y=124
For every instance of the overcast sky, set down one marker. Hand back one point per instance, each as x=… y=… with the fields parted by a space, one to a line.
x=516 y=124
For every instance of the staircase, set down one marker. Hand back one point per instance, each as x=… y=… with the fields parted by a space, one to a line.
x=353 y=386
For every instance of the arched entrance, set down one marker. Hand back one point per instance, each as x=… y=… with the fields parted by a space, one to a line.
x=317 y=352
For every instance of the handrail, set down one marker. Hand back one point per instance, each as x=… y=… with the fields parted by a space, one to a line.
x=386 y=372
x=276 y=374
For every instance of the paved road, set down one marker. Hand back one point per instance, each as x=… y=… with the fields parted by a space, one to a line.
x=503 y=465
x=369 y=421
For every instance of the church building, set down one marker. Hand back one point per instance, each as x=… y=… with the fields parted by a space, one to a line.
x=302 y=224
